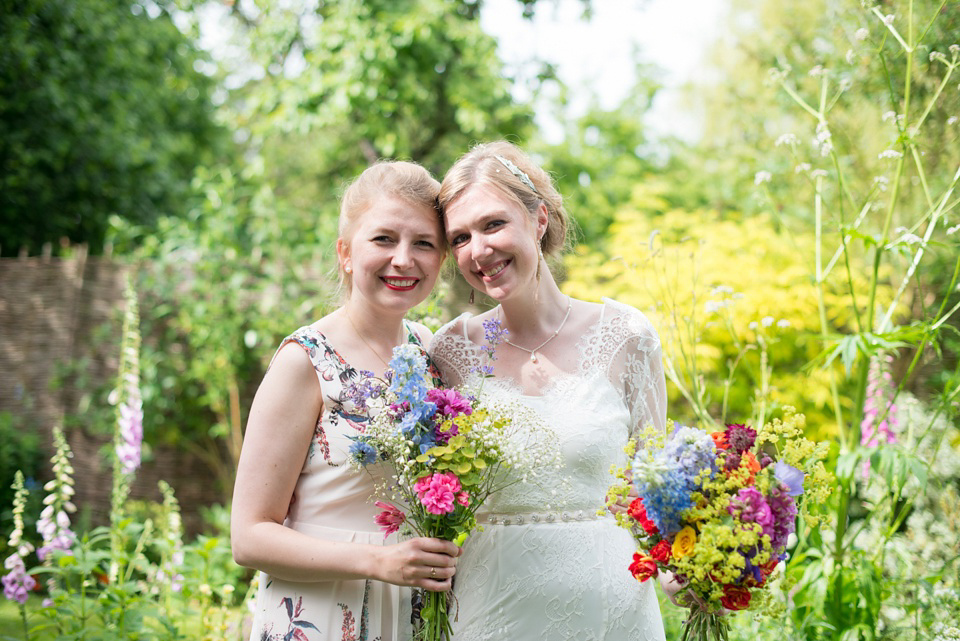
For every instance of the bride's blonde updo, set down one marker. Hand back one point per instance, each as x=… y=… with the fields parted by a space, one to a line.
x=519 y=179
x=401 y=179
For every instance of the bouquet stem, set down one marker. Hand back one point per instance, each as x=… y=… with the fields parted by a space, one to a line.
x=434 y=618
x=705 y=626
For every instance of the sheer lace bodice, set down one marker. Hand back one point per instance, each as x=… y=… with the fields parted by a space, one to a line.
x=563 y=575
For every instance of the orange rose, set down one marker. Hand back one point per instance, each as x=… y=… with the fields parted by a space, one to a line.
x=643 y=567
x=720 y=440
x=749 y=461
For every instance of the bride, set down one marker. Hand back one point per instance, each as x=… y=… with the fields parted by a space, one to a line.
x=546 y=566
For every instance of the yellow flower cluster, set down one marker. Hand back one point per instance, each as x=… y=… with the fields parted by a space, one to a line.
x=460 y=456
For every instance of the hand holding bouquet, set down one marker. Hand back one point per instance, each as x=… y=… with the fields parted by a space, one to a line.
x=717 y=509
x=449 y=451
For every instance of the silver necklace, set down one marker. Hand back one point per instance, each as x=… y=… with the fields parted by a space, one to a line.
x=533 y=352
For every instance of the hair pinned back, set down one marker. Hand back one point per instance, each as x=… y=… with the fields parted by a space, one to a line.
x=384 y=179
x=523 y=182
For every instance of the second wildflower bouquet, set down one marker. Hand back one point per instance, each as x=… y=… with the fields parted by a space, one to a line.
x=449 y=452
x=717 y=510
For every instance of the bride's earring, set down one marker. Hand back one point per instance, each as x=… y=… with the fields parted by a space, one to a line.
x=536 y=294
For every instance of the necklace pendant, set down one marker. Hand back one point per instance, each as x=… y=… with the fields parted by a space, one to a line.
x=533 y=357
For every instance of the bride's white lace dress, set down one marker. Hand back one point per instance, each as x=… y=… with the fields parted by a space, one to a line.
x=561 y=572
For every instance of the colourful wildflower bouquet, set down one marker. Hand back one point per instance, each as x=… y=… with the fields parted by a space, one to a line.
x=717 y=510
x=449 y=452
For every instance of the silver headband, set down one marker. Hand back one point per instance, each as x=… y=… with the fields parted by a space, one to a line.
x=516 y=171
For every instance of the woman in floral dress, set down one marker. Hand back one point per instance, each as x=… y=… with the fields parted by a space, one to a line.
x=301 y=514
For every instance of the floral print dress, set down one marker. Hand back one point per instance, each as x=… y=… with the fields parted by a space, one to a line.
x=332 y=502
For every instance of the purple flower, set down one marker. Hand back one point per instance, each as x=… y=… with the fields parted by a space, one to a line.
x=879 y=425
x=740 y=437
x=750 y=506
x=449 y=402
x=790 y=476
x=493 y=333
x=784 y=517
x=444 y=437
x=363 y=390
x=17 y=583
x=131 y=434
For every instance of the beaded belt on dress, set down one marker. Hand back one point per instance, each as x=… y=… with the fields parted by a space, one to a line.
x=536 y=517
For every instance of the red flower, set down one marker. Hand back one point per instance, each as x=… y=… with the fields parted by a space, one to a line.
x=735 y=598
x=390 y=519
x=639 y=514
x=661 y=551
x=643 y=567
x=768 y=567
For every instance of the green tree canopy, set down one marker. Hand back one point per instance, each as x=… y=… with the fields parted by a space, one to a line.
x=102 y=113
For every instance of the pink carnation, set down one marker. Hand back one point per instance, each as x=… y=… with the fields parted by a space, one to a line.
x=438 y=492
x=463 y=499
x=390 y=519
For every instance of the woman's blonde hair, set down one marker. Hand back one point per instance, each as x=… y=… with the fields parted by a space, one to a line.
x=401 y=179
x=509 y=170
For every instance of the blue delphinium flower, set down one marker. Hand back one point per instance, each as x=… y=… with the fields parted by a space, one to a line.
x=692 y=450
x=409 y=382
x=666 y=477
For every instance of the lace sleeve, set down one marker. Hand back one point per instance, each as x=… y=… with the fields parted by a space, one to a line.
x=452 y=353
x=637 y=368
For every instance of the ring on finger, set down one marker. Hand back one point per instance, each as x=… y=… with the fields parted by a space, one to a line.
x=433 y=572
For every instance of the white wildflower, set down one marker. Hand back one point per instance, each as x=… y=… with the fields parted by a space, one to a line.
x=888 y=19
x=783 y=323
x=762 y=177
x=861 y=34
x=753 y=325
x=881 y=182
x=802 y=167
x=952 y=120
x=850 y=57
x=955 y=49
x=712 y=307
x=777 y=75
x=890 y=153
x=911 y=239
x=953 y=230
x=786 y=139
x=817 y=71
x=721 y=289
x=767 y=321
x=818 y=173
x=888 y=115
x=824 y=140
